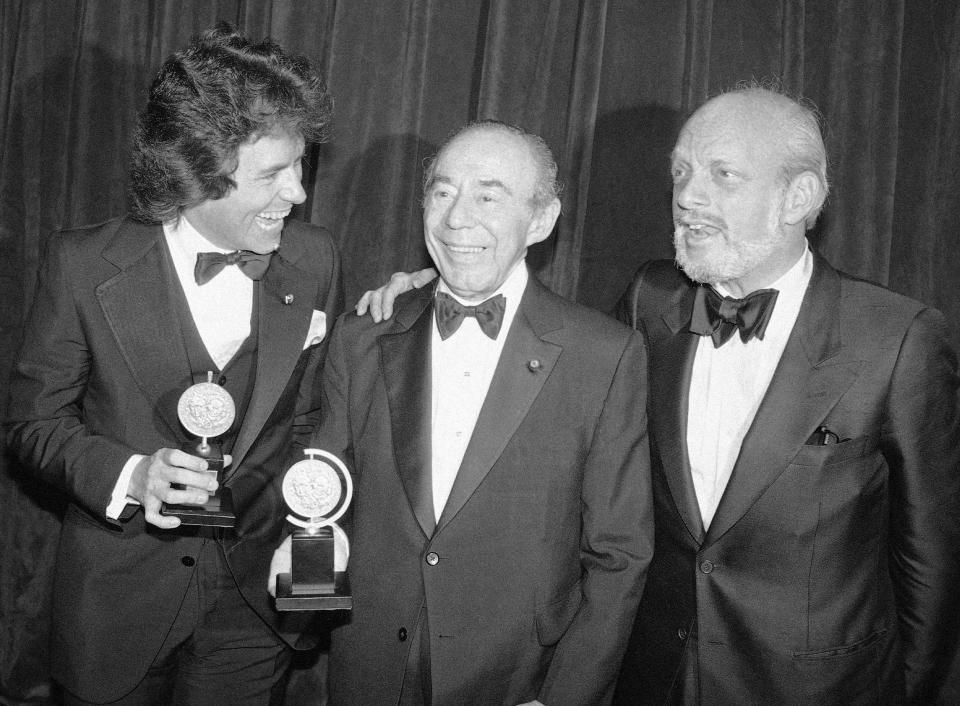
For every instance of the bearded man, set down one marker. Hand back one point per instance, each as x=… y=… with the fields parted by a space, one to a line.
x=805 y=443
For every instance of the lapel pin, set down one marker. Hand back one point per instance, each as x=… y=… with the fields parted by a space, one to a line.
x=288 y=299
x=534 y=365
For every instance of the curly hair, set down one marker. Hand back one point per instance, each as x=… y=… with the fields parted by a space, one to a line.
x=206 y=101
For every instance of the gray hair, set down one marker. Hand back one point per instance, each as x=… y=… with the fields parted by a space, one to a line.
x=802 y=139
x=547 y=186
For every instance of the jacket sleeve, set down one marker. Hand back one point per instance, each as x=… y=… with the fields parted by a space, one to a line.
x=309 y=402
x=921 y=441
x=616 y=542
x=45 y=422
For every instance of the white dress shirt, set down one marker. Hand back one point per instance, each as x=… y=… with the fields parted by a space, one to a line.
x=727 y=385
x=461 y=369
x=221 y=310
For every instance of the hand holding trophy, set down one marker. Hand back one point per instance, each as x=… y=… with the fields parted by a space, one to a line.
x=206 y=410
x=317 y=491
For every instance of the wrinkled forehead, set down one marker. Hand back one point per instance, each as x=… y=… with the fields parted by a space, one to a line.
x=488 y=154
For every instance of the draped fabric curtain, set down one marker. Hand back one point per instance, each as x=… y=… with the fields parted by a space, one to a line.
x=606 y=82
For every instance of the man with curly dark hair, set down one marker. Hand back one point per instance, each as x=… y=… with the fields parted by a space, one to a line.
x=204 y=276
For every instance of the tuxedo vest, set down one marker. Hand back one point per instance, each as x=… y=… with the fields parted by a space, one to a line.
x=237 y=377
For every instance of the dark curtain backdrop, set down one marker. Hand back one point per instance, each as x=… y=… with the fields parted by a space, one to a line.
x=606 y=82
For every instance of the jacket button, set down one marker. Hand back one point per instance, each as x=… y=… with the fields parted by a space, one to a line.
x=433 y=559
x=706 y=566
x=682 y=633
x=188 y=561
x=402 y=634
x=222 y=380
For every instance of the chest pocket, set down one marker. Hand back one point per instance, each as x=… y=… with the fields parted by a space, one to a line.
x=841 y=452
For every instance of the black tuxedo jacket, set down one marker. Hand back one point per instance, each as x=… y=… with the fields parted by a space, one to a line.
x=827 y=573
x=100 y=371
x=531 y=576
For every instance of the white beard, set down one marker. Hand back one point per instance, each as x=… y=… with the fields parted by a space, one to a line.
x=730 y=260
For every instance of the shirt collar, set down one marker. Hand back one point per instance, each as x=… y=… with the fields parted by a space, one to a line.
x=793 y=283
x=512 y=289
x=185 y=241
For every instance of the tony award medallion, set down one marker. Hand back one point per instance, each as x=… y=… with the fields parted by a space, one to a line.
x=317 y=492
x=206 y=410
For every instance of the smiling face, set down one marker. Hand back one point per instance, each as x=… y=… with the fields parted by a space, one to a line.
x=250 y=216
x=729 y=197
x=478 y=216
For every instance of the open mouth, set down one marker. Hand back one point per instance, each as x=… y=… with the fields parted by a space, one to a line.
x=464 y=249
x=272 y=219
x=697 y=229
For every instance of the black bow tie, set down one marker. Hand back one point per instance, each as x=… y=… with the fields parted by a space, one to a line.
x=209 y=264
x=718 y=317
x=450 y=314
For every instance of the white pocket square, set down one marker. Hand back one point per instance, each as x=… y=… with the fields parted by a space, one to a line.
x=318 y=329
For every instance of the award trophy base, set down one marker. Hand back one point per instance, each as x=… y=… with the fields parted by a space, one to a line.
x=313 y=584
x=218 y=510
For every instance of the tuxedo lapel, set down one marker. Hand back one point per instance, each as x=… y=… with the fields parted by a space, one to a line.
x=674 y=349
x=513 y=388
x=405 y=364
x=138 y=318
x=812 y=375
x=283 y=330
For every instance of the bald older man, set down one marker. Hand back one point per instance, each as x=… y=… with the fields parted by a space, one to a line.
x=805 y=439
x=805 y=442
x=497 y=433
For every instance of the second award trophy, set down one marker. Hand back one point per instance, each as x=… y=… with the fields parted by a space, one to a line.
x=206 y=410
x=317 y=491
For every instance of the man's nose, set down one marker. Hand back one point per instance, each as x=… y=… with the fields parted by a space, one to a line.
x=691 y=192
x=292 y=189
x=460 y=213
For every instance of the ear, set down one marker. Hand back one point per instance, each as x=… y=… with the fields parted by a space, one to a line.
x=543 y=221
x=804 y=194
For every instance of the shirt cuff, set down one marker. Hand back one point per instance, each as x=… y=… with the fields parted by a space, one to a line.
x=119 y=500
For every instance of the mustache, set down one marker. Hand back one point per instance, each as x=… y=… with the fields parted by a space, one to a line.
x=694 y=217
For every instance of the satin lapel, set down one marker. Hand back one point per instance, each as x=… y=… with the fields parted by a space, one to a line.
x=139 y=307
x=405 y=365
x=282 y=332
x=813 y=373
x=672 y=358
x=512 y=391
